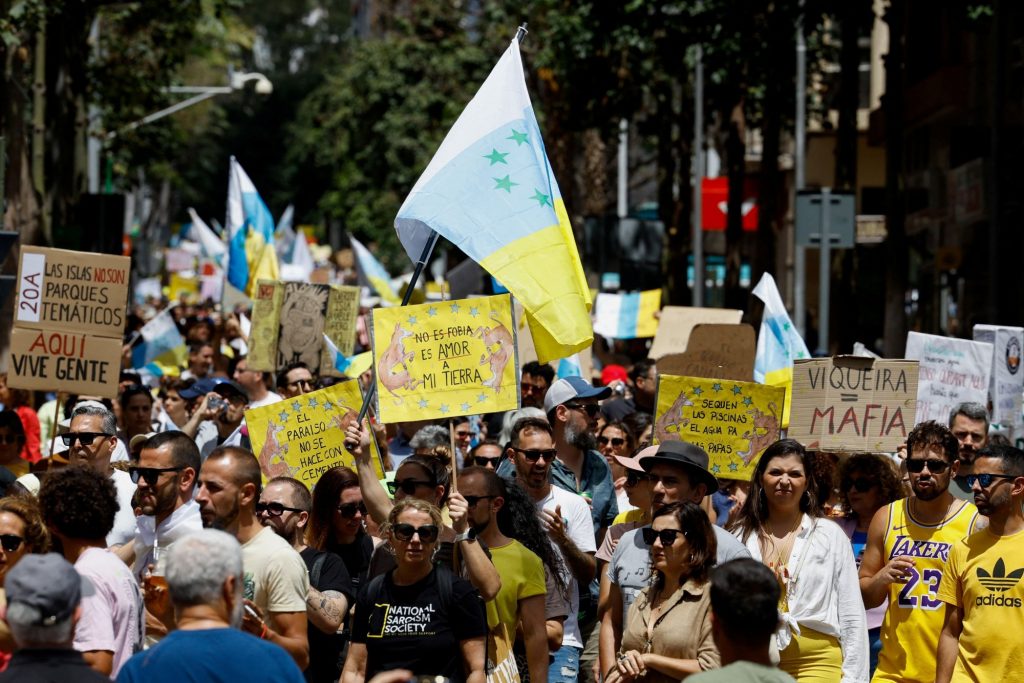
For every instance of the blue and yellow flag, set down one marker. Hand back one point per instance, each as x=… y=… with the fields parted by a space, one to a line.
x=373 y=273
x=250 y=228
x=778 y=343
x=490 y=191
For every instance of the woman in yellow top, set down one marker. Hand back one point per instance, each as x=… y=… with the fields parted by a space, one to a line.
x=668 y=631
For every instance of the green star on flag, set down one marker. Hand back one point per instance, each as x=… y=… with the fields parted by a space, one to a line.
x=504 y=184
x=541 y=198
x=497 y=157
x=520 y=138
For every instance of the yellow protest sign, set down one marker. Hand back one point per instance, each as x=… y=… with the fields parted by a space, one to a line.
x=445 y=358
x=303 y=437
x=732 y=421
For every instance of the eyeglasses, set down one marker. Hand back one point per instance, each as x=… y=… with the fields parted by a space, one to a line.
x=463 y=434
x=300 y=383
x=984 y=479
x=535 y=455
x=349 y=510
x=530 y=388
x=666 y=536
x=10 y=542
x=274 y=509
x=408 y=486
x=9 y=438
x=473 y=500
x=615 y=441
x=862 y=485
x=150 y=474
x=85 y=437
x=591 y=409
x=405 y=532
x=935 y=466
x=481 y=461
x=634 y=478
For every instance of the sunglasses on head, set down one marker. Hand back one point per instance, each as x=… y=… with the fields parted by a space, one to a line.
x=10 y=542
x=349 y=510
x=534 y=455
x=935 y=465
x=274 y=509
x=615 y=441
x=985 y=480
x=482 y=461
x=85 y=437
x=862 y=484
x=408 y=486
x=150 y=474
x=405 y=532
x=666 y=536
x=591 y=409
x=634 y=478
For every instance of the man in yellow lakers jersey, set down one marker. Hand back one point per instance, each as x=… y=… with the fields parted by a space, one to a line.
x=982 y=585
x=908 y=546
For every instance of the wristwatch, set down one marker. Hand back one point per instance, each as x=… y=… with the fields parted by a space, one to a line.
x=469 y=535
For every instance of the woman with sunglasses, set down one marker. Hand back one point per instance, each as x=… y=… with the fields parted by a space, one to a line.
x=668 y=632
x=823 y=636
x=22 y=531
x=417 y=617
x=616 y=439
x=867 y=483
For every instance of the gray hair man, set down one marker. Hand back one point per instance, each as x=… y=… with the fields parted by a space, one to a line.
x=205 y=581
x=969 y=423
x=44 y=596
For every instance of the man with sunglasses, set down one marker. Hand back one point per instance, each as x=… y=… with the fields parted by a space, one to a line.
x=276 y=581
x=284 y=507
x=981 y=585
x=969 y=423
x=91 y=440
x=908 y=546
x=295 y=379
x=487 y=454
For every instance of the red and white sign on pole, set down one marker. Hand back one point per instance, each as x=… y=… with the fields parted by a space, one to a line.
x=715 y=204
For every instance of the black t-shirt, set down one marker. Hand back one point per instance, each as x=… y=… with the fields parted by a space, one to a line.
x=356 y=556
x=408 y=627
x=324 y=648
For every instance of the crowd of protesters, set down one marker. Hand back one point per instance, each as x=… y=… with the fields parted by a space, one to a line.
x=140 y=541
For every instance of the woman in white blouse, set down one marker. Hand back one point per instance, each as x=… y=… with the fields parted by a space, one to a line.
x=822 y=635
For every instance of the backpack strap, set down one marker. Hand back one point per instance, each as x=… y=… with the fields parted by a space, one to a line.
x=445 y=581
x=318 y=567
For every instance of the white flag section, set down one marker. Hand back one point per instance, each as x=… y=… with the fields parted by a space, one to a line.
x=301 y=266
x=211 y=245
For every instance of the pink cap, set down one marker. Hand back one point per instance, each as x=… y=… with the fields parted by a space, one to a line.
x=634 y=462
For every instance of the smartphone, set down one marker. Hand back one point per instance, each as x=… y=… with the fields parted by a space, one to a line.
x=217 y=403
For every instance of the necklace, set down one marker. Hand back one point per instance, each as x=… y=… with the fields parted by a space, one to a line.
x=775 y=554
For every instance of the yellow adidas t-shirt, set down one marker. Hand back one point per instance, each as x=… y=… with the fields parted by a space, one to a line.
x=913 y=620
x=984 y=577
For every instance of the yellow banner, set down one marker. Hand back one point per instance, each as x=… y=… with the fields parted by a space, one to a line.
x=732 y=421
x=303 y=437
x=445 y=358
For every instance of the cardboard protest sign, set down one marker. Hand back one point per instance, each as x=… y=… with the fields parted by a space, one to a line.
x=303 y=437
x=732 y=421
x=1007 y=381
x=677 y=322
x=952 y=371
x=72 y=291
x=715 y=351
x=853 y=404
x=443 y=359
x=290 y=319
x=50 y=360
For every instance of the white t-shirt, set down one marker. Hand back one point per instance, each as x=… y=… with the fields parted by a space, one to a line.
x=275 y=576
x=580 y=529
x=124 y=521
x=112 y=617
x=271 y=397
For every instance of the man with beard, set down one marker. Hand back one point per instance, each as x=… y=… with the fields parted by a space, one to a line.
x=969 y=424
x=275 y=582
x=981 y=585
x=908 y=546
x=204 y=576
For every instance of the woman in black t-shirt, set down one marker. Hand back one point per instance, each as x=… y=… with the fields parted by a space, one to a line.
x=417 y=617
x=337 y=522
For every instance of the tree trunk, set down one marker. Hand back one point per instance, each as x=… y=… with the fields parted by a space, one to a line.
x=594 y=174
x=896 y=252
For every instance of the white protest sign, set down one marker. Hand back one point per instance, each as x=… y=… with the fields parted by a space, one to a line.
x=952 y=371
x=1007 y=381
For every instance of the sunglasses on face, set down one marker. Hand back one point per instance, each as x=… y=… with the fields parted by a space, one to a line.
x=666 y=536
x=935 y=466
x=535 y=455
x=985 y=480
x=85 y=437
x=10 y=542
x=473 y=500
x=463 y=435
x=591 y=409
x=300 y=383
x=150 y=474
x=863 y=485
x=481 y=461
x=530 y=388
x=634 y=478
x=349 y=510
x=408 y=486
x=274 y=509
x=616 y=442
x=405 y=532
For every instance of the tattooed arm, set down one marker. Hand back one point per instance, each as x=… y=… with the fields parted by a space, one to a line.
x=326 y=609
